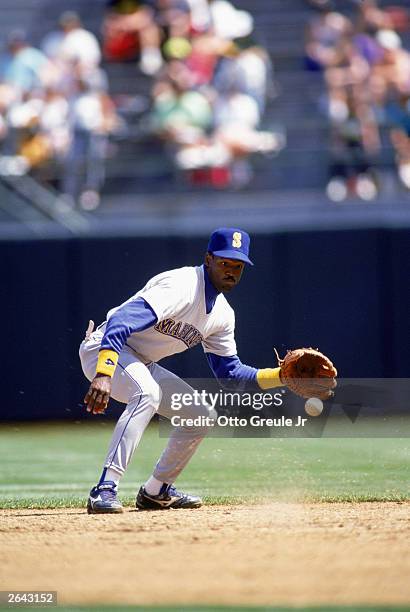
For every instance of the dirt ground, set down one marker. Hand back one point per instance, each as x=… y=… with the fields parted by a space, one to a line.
x=277 y=553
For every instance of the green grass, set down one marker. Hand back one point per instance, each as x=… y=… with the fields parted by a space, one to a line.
x=54 y=465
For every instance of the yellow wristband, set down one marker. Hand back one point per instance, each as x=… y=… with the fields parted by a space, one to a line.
x=107 y=361
x=269 y=378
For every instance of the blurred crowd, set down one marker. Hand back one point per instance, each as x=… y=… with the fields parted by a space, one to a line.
x=366 y=68
x=209 y=86
x=55 y=109
x=210 y=82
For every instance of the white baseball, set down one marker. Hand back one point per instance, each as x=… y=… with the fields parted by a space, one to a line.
x=314 y=406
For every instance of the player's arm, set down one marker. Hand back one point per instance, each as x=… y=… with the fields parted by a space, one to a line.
x=232 y=371
x=134 y=316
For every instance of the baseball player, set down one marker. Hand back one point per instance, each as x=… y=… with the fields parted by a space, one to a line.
x=175 y=311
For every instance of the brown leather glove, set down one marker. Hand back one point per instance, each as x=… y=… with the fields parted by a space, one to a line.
x=308 y=373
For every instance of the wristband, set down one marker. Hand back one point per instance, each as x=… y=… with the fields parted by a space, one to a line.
x=269 y=378
x=107 y=361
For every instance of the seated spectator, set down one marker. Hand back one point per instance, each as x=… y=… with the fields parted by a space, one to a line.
x=130 y=32
x=202 y=60
x=72 y=43
x=24 y=67
x=236 y=121
x=354 y=140
x=24 y=138
x=53 y=122
x=393 y=68
x=38 y=127
x=179 y=113
x=323 y=35
x=246 y=70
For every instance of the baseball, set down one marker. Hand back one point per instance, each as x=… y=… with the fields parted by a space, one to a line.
x=314 y=406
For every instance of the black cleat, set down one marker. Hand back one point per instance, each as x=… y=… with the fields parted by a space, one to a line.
x=168 y=497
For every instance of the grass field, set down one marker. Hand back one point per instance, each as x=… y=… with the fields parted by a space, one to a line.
x=54 y=465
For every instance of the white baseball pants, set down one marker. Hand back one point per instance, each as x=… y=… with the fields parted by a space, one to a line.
x=146 y=389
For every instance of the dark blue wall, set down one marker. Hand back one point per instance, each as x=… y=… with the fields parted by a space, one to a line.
x=346 y=292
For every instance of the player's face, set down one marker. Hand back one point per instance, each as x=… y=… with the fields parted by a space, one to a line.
x=223 y=273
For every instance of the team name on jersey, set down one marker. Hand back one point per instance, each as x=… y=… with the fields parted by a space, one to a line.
x=183 y=331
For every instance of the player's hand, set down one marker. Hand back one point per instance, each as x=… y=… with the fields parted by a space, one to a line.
x=98 y=394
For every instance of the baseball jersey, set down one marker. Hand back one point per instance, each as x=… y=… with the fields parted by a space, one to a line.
x=177 y=298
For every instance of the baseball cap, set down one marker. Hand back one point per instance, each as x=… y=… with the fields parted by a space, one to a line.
x=230 y=242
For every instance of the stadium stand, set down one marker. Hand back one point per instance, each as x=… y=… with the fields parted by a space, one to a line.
x=138 y=164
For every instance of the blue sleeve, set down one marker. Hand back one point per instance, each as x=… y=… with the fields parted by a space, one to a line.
x=134 y=316
x=231 y=371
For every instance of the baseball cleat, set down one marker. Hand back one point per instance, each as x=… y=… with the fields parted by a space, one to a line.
x=103 y=499
x=168 y=497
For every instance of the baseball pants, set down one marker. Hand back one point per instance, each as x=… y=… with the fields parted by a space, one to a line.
x=146 y=389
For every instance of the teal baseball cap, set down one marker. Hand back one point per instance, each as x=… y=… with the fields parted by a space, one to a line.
x=230 y=242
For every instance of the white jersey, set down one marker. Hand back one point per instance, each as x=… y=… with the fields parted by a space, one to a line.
x=178 y=299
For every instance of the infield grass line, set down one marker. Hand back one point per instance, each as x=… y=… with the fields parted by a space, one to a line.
x=55 y=465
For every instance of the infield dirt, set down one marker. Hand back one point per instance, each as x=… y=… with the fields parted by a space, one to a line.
x=276 y=553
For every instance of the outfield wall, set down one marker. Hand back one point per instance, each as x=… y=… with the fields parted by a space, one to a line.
x=346 y=292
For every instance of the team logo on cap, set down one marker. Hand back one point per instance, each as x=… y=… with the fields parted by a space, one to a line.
x=237 y=240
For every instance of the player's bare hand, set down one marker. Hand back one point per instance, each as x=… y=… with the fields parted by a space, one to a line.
x=98 y=394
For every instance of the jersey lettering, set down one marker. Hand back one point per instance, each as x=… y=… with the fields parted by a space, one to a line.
x=186 y=332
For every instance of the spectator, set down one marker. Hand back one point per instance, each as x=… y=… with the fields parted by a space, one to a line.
x=72 y=43
x=53 y=122
x=38 y=127
x=91 y=118
x=24 y=137
x=130 y=32
x=248 y=71
x=355 y=139
x=323 y=36
x=179 y=113
x=393 y=68
x=24 y=67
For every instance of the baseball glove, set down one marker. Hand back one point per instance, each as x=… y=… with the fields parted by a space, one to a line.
x=308 y=373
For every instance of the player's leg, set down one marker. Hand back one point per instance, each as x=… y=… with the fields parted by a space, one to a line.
x=133 y=385
x=158 y=491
